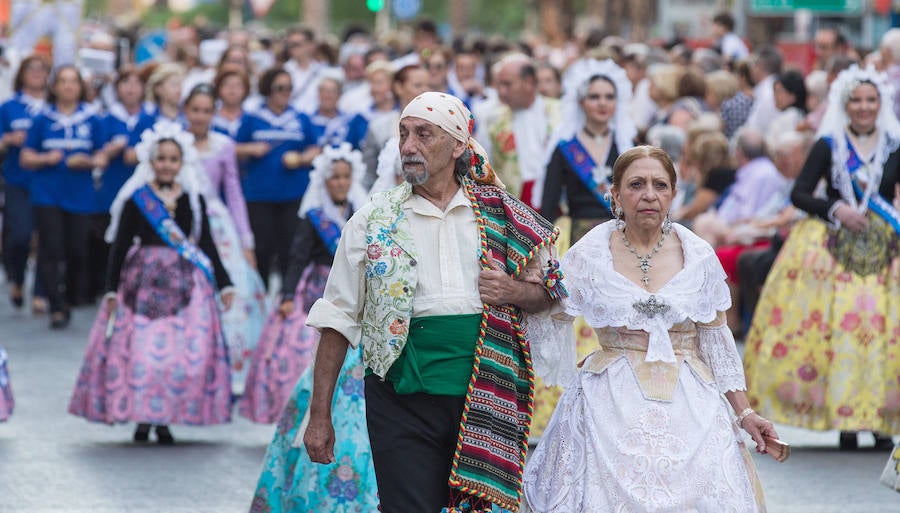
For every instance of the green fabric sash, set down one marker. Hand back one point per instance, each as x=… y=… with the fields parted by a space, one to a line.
x=437 y=357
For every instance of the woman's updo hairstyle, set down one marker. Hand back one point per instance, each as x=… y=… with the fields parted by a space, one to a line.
x=640 y=152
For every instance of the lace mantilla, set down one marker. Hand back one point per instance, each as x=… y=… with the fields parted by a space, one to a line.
x=607 y=299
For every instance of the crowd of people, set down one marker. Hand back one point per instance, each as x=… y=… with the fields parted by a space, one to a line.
x=359 y=226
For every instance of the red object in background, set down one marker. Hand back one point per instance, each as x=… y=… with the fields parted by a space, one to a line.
x=882 y=7
x=797 y=55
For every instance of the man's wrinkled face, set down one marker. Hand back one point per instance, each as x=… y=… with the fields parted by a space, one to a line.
x=425 y=149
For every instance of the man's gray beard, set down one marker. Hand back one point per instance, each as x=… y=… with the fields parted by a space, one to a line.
x=412 y=176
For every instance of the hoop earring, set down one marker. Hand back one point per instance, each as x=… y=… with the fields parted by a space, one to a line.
x=620 y=221
x=667 y=224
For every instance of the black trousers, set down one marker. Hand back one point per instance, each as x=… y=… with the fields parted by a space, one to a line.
x=62 y=254
x=273 y=227
x=18 y=225
x=98 y=255
x=413 y=438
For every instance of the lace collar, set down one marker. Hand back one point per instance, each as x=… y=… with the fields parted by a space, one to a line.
x=607 y=299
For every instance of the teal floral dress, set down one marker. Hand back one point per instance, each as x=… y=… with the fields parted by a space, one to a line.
x=291 y=483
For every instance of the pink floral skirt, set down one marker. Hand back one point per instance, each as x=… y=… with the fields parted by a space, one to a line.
x=285 y=349
x=165 y=361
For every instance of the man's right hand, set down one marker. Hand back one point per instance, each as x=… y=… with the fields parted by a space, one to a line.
x=319 y=440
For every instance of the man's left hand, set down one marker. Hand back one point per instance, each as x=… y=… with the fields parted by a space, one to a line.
x=496 y=287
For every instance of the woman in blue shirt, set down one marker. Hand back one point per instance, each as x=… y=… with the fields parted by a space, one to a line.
x=62 y=147
x=123 y=125
x=164 y=92
x=331 y=126
x=276 y=146
x=16 y=116
x=232 y=86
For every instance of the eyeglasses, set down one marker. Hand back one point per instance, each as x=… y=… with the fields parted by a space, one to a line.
x=436 y=66
x=282 y=88
x=36 y=66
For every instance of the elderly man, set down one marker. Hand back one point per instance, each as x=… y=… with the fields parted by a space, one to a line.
x=436 y=278
x=516 y=131
x=828 y=42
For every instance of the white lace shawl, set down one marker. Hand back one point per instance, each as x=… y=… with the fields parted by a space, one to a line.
x=605 y=298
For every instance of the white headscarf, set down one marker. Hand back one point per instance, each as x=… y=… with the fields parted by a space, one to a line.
x=451 y=115
x=317 y=196
x=835 y=123
x=191 y=178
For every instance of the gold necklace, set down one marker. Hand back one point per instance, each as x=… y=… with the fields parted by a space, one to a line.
x=644 y=261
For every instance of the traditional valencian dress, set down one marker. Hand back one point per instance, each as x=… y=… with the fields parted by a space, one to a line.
x=230 y=229
x=644 y=425
x=290 y=482
x=822 y=352
x=164 y=358
x=6 y=398
x=287 y=346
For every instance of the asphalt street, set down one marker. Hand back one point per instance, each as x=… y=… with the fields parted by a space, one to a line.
x=52 y=462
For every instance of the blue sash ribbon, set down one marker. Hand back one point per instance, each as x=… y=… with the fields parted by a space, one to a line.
x=877 y=203
x=584 y=166
x=155 y=212
x=328 y=230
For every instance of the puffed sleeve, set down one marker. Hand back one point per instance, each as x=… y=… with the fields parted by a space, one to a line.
x=550 y=333
x=128 y=225
x=817 y=165
x=234 y=195
x=553 y=186
x=341 y=306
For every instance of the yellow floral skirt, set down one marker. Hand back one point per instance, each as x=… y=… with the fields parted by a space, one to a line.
x=823 y=351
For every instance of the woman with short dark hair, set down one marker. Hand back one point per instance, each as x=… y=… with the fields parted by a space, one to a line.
x=63 y=145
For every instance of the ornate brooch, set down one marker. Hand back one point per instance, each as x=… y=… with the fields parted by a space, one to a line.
x=651 y=307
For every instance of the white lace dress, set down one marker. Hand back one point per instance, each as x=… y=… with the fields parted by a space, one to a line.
x=643 y=425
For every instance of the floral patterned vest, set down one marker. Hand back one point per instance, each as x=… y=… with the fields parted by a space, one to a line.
x=391 y=279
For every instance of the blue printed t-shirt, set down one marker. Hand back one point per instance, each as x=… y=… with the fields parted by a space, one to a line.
x=224 y=126
x=265 y=179
x=16 y=114
x=58 y=186
x=119 y=124
x=344 y=127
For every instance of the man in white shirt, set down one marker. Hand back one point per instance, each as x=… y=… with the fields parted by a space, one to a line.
x=766 y=66
x=305 y=70
x=516 y=132
x=730 y=45
x=420 y=284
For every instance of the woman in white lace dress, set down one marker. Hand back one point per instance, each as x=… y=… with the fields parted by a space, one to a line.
x=648 y=422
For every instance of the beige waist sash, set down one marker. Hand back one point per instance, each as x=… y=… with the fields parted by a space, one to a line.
x=657 y=380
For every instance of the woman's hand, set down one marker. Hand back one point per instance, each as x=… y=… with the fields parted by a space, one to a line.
x=14 y=138
x=79 y=161
x=850 y=218
x=897 y=196
x=286 y=308
x=250 y=257
x=227 y=299
x=259 y=149
x=758 y=427
x=54 y=157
